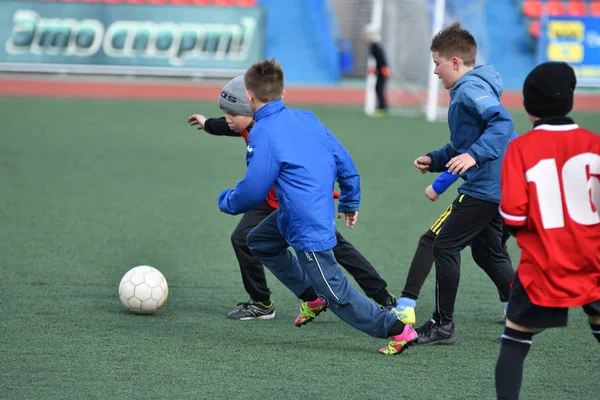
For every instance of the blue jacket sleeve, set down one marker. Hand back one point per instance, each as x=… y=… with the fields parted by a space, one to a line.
x=499 y=125
x=347 y=178
x=439 y=158
x=261 y=174
x=443 y=182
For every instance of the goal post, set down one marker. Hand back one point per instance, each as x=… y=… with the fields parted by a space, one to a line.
x=405 y=29
x=433 y=85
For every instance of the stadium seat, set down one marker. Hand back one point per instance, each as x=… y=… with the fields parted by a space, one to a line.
x=594 y=8
x=535 y=28
x=246 y=3
x=577 y=8
x=532 y=8
x=555 y=7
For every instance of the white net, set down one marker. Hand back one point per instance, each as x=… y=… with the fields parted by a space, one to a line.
x=406 y=31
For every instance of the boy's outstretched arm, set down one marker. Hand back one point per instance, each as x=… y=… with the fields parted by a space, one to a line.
x=214 y=126
x=347 y=178
x=260 y=176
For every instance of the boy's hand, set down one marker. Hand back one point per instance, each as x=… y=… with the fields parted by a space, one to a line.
x=460 y=164
x=431 y=194
x=351 y=218
x=423 y=163
x=197 y=119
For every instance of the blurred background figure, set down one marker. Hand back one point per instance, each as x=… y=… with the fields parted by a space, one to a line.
x=381 y=69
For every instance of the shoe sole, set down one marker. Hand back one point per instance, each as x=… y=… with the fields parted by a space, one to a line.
x=450 y=340
x=260 y=317
x=310 y=319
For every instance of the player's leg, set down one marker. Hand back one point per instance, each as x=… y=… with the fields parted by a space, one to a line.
x=419 y=270
x=260 y=305
x=380 y=92
x=268 y=245
x=363 y=272
x=522 y=318
x=420 y=266
x=593 y=313
x=338 y=295
x=469 y=216
x=505 y=237
x=488 y=254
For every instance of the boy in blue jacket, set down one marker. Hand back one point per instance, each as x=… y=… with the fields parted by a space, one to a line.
x=294 y=151
x=423 y=260
x=480 y=130
x=238 y=122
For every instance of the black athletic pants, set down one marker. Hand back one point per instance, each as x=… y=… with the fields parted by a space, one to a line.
x=474 y=222
x=253 y=272
x=423 y=260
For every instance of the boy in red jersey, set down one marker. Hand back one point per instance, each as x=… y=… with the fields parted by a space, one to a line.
x=550 y=179
x=238 y=121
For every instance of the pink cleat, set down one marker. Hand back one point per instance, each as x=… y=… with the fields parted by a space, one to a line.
x=400 y=342
x=308 y=311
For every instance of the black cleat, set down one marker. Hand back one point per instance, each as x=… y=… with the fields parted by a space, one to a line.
x=434 y=333
x=253 y=310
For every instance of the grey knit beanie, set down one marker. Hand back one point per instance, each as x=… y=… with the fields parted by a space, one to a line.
x=233 y=98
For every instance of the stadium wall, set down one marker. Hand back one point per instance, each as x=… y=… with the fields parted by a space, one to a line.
x=123 y=38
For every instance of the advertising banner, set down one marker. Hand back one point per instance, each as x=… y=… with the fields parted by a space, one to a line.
x=138 y=39
x=574 y=40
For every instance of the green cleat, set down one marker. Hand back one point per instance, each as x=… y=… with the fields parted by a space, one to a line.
x=308 y=311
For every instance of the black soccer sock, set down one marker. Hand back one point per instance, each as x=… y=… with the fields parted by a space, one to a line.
x=420 y=266
x=509 y=368
x=396 y=329
x=309 y=295
x=595 y=331
x=384 y=298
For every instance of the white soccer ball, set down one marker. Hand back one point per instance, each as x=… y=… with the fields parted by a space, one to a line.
x=143 y=290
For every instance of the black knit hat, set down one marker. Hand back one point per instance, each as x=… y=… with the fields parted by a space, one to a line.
x=548 y=90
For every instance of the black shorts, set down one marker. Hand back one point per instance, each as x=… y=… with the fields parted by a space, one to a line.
x=437 y=226
x=523 y=312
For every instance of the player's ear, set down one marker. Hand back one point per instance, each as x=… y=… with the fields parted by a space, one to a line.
x=283 y=94
x=456 y=63
x=250 y=95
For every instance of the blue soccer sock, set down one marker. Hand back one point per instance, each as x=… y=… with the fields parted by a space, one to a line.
x=405 y=302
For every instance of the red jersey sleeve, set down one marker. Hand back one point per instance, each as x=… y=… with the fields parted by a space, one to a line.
x=514 y=203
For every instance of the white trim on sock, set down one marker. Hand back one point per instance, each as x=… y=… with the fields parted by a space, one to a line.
x=529 y=342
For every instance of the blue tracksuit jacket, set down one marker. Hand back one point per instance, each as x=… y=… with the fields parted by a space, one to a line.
x=446 y=179
x=481 y=126
x=292 y=150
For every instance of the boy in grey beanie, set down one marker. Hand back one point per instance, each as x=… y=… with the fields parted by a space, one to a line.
x=238 y=121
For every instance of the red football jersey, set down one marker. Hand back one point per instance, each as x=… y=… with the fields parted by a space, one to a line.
x=550 y=183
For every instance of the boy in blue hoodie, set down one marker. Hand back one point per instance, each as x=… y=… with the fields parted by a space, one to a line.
x=480 y=130
x=423 y=260
x=294 y=151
